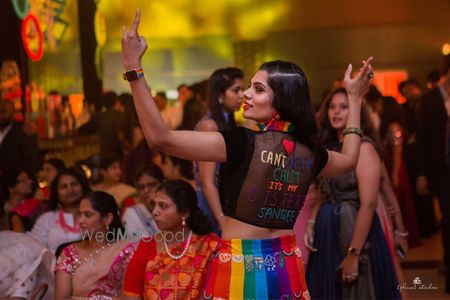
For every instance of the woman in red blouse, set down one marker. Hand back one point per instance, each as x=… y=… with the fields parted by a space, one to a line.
x=172 y=263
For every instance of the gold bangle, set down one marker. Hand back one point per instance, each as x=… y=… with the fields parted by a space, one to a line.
x=352 y=130
x=354 y=251
x=402 y=234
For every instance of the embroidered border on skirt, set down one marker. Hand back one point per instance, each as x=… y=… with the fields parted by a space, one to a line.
x=256 y=269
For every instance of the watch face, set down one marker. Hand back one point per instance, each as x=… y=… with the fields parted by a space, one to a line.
x=131 y=75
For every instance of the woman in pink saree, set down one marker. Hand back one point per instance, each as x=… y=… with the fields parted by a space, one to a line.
x=94 y=267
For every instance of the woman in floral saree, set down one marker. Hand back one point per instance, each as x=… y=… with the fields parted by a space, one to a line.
x=94 y=267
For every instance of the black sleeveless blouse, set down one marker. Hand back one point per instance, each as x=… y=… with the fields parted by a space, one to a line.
x=266 y=177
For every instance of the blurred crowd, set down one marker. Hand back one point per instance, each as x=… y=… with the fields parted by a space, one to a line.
x=47 y=206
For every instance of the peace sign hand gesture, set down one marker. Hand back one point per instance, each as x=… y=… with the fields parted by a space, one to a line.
x=133 y=45
x=358 y=86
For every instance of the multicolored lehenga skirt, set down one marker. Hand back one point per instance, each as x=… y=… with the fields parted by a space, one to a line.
x=256 y=269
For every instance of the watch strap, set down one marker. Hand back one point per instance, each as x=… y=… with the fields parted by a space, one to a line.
x=133 y=74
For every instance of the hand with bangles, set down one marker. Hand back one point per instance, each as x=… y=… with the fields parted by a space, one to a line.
x=349 y=268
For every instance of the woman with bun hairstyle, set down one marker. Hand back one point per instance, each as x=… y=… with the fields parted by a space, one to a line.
x=172 y=263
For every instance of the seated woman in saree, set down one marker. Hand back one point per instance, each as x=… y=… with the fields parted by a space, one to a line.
x=20 y=211
x=172 y=263
x=93 y=268
x=25 y=265
x=266 y=172
x=59 y=225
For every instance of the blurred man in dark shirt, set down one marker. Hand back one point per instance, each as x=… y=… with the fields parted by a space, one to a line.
x=433 y=153
x=107 y=124
x=17 y=148
x=411 y=91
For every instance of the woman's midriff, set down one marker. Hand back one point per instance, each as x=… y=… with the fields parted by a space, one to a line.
x=235 y=229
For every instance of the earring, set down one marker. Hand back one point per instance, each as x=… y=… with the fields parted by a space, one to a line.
x=183 y=222
x=220 y=100
x=107 y=227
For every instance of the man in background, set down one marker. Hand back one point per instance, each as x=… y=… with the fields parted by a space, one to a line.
x=18 y=149
x=433 y=153
x=426 y=218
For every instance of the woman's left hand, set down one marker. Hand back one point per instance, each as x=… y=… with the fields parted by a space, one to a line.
x=350 y=268
x=358 y=86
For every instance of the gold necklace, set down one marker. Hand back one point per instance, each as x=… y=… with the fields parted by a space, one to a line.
x=91 y=256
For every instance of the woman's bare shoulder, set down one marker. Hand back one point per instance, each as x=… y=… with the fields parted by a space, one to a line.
x=207 y=125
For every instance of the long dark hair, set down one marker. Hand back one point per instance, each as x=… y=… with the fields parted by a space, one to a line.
x=219 y=81
x=328 y=135
x=74 y=172
x=192 y=113
x=291 y=98
x=104 y=204
x=185 y=198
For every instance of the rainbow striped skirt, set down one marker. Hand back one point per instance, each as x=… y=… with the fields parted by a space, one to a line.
x=256 y=269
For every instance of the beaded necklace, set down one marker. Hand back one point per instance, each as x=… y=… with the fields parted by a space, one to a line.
x=183 y=253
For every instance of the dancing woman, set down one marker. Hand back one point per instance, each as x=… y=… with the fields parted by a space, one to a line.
x=266 y=173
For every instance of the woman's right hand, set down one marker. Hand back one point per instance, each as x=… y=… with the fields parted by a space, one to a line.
x=308 y=237
x=133 y=45
x=358 y=86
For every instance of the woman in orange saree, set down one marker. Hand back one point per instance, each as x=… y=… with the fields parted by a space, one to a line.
x=172 y=264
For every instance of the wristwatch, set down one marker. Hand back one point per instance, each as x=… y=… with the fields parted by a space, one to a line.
x=354 y=251
x=134 y=74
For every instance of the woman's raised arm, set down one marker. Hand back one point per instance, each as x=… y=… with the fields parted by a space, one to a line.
x=341 y=163
x=206 y=146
